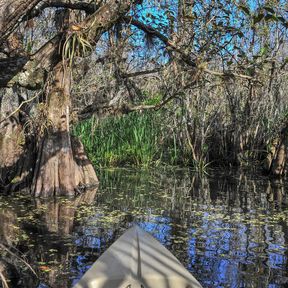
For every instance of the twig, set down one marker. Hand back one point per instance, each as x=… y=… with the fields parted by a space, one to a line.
x=19 y=107
x=186 y=57
x=150 y=30
x=141 y=73
x=19 y=258
x=228 y=74
x=3 y=280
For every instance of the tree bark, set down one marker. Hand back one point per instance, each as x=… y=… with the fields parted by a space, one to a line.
x=279 y=162
x=30 y=71
x=16 y=152
x=11 y=13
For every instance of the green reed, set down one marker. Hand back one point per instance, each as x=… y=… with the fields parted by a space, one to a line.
x=133 y=139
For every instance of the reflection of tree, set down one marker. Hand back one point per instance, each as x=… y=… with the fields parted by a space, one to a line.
x=222 y=227
x=218 y=226
x=58 y=219
x=276 y=195
x=276 y=192
x=235 y=232
x=8 y=233
x=51 y=238
x=227 y=222
x=9 y=227
x=59 y=213
x=12 y=263
x=200 y=189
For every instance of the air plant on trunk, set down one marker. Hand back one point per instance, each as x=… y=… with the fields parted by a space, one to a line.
x=75 y=45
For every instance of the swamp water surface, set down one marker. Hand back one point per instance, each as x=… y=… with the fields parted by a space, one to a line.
x=229 y=230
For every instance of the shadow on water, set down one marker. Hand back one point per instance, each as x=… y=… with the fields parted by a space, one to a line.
x=229 y=230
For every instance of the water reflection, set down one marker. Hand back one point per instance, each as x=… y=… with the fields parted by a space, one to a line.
x=229 y=230
x=42 y=232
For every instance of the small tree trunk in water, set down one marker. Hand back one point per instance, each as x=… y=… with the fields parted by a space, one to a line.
x=279 y=162
x=275 y=162
x=62 y=166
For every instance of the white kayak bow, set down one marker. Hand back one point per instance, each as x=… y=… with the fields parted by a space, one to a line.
x=137 y=260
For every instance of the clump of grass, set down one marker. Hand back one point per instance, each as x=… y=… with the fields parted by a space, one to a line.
x=137 y=139
x=134 y=139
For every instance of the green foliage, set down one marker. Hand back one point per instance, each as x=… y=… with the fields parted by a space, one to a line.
x=138 y=139
x=201 y=166
x=133 y=139
x=154 y=100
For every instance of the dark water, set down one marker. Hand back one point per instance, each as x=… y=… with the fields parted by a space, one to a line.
x=229 y=230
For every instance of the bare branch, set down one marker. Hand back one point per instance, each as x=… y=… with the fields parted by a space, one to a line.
x=30 y=71
x=141 y=73
x=125 y=108
x=89 y=8
x=19 y=107
x=228 y=74
x=153 y=32
x=3 y=280
x=26 y=71
x=19 y=258
x=185 y=57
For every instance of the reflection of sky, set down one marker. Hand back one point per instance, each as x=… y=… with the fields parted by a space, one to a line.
x=211 y=250
x=81 y=268
x=218 y=253
x=159 y=228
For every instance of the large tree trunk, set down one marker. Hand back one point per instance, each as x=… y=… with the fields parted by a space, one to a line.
x=62 y=167
x=10 y=133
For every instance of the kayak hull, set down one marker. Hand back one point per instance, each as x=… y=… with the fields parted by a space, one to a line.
x=136 y=259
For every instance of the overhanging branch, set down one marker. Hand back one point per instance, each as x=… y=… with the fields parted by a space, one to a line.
x=229 y=74
x=153 y=32
x=185 y=57
x=125 y=108
x=89 y=8
x=36 y=66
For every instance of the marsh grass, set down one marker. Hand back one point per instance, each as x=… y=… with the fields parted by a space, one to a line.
x=135 y=139
x=168 y=137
